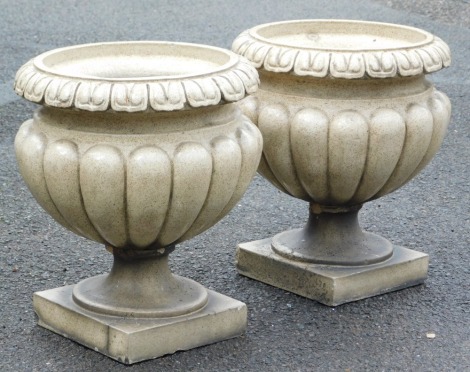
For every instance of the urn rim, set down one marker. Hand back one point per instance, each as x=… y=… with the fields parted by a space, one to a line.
x=338 y=48
x=136 y=76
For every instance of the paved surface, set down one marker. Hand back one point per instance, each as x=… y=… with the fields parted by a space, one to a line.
x=285 y=332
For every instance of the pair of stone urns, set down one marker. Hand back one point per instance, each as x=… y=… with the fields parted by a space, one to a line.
x=142 y=145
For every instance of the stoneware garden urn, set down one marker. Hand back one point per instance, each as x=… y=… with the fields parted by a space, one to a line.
x=347 y=116
x=138 y=146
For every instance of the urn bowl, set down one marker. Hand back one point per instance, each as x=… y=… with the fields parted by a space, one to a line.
x=137 y=144
x=345 y=110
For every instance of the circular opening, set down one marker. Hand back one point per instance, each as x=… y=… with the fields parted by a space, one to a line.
x=341 y=35
x=135 y=61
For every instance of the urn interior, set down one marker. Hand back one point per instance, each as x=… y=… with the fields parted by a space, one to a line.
x=339 y=35
x=136 y=61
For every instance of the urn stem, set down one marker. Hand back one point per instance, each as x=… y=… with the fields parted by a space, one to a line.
x=140 y=286
x=333 y=236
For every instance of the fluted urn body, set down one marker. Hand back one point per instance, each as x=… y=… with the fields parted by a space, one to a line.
x=138 y=146
x=347 y=116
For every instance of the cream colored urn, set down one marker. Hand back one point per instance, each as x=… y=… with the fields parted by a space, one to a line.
x=138 y=146
x=347 y=116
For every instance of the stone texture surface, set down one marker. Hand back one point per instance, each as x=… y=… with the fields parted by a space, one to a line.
x=359 y=149
x=359 y=136
x=163 y=177
x=331 y=285
x=342 y=49
x=135 y=77
x=347 y=116
x=131 y=340
x=285 y=331
x=152 y=154
x=142 y=196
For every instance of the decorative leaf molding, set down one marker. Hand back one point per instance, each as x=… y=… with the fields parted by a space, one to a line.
x=429 y=56
x=228 y=84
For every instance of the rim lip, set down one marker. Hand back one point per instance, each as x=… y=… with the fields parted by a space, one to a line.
x=254 y=33
x=39 y=64
x=210 y=76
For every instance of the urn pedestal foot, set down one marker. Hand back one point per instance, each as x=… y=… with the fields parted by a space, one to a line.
x=130 y=340
x=331 y=285
x=332 y=236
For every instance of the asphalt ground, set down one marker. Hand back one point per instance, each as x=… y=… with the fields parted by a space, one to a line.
x=285 y=332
